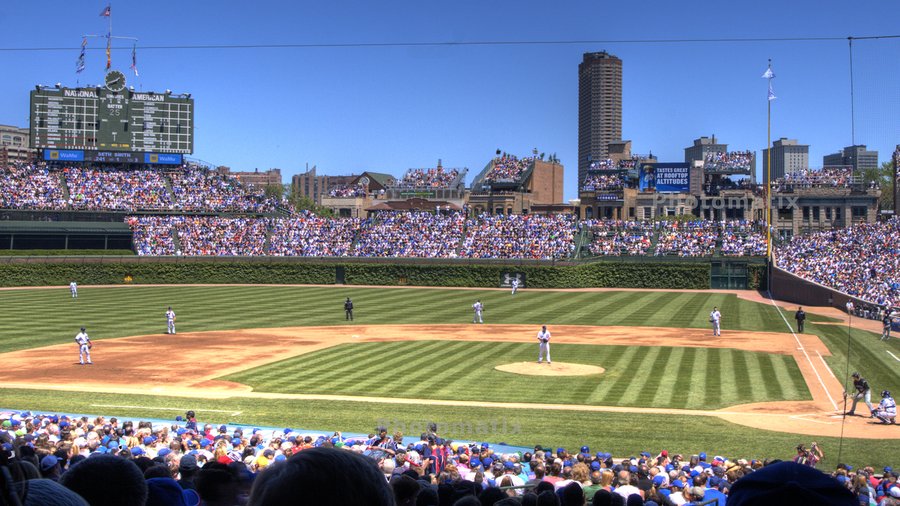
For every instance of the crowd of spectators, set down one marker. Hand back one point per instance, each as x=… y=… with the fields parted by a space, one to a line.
x=428 y=178
x=120 y=190
x=346 y=191
x=27 y=186
x=507 y=168
x=152 y=235
x=688 y=239
x=603 y=182
x=105 y=461
x=743 y=238
x=610 y=164
x=205 y=190
x=312 y=236
x=411 y=234
x=727 y=161
x=520 y=236
x=861 y=260
x=828 y=177
x=616 y=237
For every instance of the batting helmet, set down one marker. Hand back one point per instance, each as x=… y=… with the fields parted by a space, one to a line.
x=82 y=329
x=886 y=393
x=855 y=375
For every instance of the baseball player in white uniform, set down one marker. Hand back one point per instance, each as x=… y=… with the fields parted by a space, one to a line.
x=715 y=318
x=84 y=346
x=544 y=338
x=73 y=287
x=515 y=285
x=170 y=321
x=478 y=307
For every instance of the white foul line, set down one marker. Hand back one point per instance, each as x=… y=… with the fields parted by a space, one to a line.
x=233 y=413
x=826 y=364
x=801 y=348
x=895 y=356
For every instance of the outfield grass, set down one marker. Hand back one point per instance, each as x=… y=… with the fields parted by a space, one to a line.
x=641 y=376
x=623 y=434
x=33 y=318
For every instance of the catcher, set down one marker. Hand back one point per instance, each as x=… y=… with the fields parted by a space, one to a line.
x=84 y=346
x=544 y=338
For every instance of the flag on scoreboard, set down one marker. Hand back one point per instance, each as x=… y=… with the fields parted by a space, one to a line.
x=79 y=65
x=107 y=12
x=134 y=60
x=108 y=53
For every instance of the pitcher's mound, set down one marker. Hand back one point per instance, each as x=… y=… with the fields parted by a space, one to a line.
x=554 y=369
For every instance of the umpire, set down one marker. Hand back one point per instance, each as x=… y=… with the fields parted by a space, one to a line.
x=348 y=309
x=800 y=316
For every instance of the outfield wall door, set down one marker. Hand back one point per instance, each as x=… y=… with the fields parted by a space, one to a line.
x=728 y=275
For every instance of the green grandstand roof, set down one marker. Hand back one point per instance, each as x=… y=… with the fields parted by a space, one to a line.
x=63 y=227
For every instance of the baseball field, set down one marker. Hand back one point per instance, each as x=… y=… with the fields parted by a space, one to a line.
x=632 y=370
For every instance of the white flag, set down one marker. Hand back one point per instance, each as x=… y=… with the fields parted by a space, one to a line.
x=771 y=92
x=768 y=74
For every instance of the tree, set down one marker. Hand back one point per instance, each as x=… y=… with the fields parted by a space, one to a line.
x=303 y=203
x=884 y=177
x=274 y=191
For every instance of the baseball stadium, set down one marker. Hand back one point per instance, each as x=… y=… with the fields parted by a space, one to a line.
x=212 y=327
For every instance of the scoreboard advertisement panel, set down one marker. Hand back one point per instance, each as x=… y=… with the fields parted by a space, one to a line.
x=97 y=119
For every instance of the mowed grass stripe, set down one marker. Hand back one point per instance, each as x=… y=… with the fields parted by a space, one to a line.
x=696 y=395
x=713 y=392
x=415 y=375
x=669 y=379
x=686 y=377
x=643 y=386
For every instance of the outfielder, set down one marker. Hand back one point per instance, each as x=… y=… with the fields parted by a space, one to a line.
x=863 y=392
x=478 y=307
x=73 y=287
x=715 y=317
x=887 y=409
x=515 y=285
x=170 y=321
x=84 y=346
x=544 y=338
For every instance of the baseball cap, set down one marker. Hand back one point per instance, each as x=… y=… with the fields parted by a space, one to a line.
x=137 y=451
x=595 y=466
x=167 y=491
x=585 y=449
x=678 y=484
x=48 y=462
x=702 y=455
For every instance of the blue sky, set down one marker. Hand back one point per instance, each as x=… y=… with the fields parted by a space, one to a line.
x=390 y=108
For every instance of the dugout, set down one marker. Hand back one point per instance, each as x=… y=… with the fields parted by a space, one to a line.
x=39 y=235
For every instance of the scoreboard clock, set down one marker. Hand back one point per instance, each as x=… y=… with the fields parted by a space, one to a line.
x=111 y=118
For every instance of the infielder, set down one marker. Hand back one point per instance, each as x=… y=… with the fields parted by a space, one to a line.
x=863 y=392
x=887 y=409
x=544 y=338
x=515 y=285
x=73 y=287
x=84 y=346
x=170 y=321
x=478 y=307
x=715 y=317
x=348 y=309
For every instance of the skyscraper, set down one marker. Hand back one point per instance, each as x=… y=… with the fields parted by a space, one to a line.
x=599 y=107
x=858 y=157
x=788 y=157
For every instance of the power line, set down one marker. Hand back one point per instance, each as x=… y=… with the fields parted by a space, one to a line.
x=470 y=43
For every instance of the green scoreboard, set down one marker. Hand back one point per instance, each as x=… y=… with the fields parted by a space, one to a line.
x=101 y=119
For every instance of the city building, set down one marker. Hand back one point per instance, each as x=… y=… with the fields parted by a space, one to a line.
x=701 y=147
x=14 y=145
x=312 y=186
x=255 y=178
x=858 y=157
x=599 y=107
x=788 y=157
x=539 y=186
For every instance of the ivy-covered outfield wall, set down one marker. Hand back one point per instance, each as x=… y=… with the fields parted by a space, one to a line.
x=607 y=274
